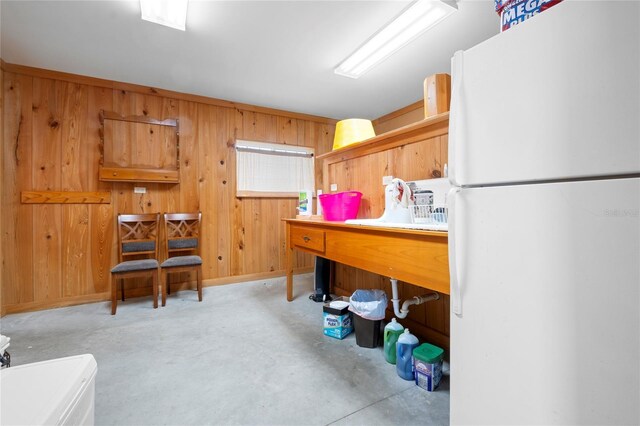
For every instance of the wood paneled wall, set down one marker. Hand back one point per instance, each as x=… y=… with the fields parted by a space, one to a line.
x=58 y=254
x=423 y=159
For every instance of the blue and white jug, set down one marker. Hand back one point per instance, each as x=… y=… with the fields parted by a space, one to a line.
x=407 y=342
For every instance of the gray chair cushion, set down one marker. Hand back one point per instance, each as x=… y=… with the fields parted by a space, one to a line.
x=135 y=265
x=138 y=246
x=182 y=261
x=186 y=243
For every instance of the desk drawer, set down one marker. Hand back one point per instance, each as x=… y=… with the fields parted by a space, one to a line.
x=309 y=238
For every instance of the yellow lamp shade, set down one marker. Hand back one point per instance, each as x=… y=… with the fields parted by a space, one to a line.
x=351 y=131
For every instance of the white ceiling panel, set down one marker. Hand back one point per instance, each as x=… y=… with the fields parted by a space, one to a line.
x=278 y=54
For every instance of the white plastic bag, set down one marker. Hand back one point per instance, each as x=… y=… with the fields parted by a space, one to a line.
x=369 y=304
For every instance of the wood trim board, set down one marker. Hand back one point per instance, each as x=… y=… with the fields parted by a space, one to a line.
x=65 y=197
x=110 y=115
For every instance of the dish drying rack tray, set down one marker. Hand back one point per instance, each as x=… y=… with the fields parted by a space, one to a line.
x=435 y=214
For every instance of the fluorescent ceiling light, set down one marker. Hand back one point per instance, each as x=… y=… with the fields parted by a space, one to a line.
x=172 y=13
x=413 y=21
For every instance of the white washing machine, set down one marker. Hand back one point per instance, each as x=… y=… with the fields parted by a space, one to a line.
x=54 y=392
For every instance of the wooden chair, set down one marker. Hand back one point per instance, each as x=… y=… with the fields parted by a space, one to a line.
x=182 y=242
x=138 y=241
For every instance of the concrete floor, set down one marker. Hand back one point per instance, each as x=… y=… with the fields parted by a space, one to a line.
x=242 y=356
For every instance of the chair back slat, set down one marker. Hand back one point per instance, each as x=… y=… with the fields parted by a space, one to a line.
x=138 y=235
x=182 y=233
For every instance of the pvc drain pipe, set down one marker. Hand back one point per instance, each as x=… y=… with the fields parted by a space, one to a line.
x=416 y=300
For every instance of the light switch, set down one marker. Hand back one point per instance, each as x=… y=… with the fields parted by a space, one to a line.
x=334 y=186
x=139 y=190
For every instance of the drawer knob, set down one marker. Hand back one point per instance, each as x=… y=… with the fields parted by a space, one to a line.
x=306 y=239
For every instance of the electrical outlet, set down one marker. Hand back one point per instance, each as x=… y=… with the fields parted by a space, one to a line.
x=386 y=180
x=334 y=186
x=139 y=190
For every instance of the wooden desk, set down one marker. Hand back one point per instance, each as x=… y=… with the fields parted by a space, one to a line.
x=414 y=256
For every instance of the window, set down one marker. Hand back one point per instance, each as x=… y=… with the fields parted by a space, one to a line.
x=273 y=170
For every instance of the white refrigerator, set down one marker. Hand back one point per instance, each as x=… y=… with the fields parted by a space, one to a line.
x=544 y=220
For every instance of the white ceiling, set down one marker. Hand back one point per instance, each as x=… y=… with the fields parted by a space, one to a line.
x=278 y=54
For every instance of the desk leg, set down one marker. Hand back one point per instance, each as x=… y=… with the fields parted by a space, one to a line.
x=289 y=262
x=332 y=276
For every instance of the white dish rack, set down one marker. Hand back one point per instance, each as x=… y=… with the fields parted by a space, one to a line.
x=429 y=214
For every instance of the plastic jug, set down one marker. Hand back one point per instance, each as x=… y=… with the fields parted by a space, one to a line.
x=404 y=351
x=392 y=331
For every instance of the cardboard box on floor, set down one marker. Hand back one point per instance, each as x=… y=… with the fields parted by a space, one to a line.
x=337 y=322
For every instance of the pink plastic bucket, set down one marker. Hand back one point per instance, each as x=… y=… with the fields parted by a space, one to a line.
x=340 y=206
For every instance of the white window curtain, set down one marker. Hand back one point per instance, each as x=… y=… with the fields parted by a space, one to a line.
x=273 y=170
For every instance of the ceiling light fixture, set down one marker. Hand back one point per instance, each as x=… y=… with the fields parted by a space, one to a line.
x=413 y=21
x=171 y=13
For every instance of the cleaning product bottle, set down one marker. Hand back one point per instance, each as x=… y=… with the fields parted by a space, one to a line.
x=392 y=331
x=404 y=351
x=305 y=203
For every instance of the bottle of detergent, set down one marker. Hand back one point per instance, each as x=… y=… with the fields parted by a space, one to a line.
x=392 y=331
x=404 y=351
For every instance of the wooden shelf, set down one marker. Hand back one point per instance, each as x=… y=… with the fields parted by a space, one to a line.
x=424 y=129
x=135 y=174
x=110 y=115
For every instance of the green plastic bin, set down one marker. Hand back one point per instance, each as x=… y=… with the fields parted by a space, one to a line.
x=427 y=364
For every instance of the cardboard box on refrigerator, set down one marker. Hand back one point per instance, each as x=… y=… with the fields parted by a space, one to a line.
x=513 y=12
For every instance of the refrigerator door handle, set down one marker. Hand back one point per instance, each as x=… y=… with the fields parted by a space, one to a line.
x=455 y=115
x=456 y=299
